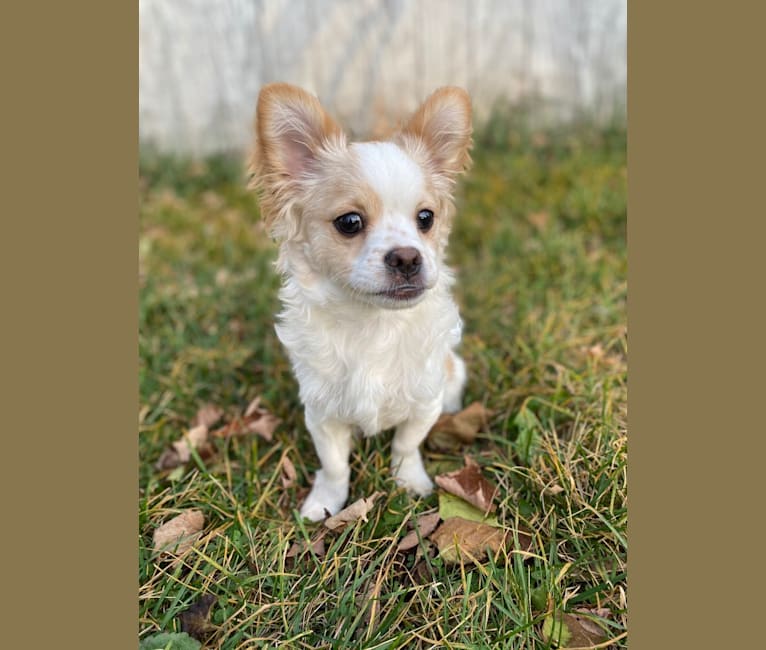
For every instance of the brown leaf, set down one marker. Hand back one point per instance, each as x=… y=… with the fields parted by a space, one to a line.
x=179 y=452
x=538 y=219
x=452 y=430
x=471 y=538
x=195 y=438
x=192 y=439
x=256 y=419
x=426 y=524
x=574 y=630
x=457 y=536
x=300 y=546
x=595 y=352
x=168 y=460
x=288 y=472
x=357 y=510
x=178 y=534
x=195 y=620
x=470 y=485
x=208 y=415
x=553 y=490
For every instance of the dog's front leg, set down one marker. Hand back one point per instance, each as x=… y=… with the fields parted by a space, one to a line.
x=406 y=462
x=332 y=441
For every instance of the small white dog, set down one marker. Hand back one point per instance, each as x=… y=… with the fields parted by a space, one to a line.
x=368 y=319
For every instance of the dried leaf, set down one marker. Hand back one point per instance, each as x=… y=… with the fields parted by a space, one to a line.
x=452 y=506
x=426 y=524
x=316 y=545
x=168 y=460
x=471 y=540
x=357 y=510
x=208 y=415
x=178 y=534
x=256 y=419
x=538 y=219
x=192 y=439
x=288 y=472
x=596 y=352
x=453 y=430
x=575 y=630
x=179 y=452
x=195 y=620
x=469 y=484
x=553 y=490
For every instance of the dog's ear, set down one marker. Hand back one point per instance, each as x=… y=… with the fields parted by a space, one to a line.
x=291 y=128
x=443 y=125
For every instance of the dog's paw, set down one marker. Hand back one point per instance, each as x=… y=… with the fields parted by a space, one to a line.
x=412 y=476
x=324 y=500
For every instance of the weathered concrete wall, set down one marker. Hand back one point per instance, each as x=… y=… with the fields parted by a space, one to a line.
x=202 y=62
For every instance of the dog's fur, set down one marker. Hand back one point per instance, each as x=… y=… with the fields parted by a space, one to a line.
x=371 y=345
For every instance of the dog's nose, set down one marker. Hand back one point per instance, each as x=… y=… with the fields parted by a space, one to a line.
x=405 y=261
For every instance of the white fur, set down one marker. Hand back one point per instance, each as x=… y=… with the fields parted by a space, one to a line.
x=367 y=368
x=366 y=362
x=364 y=367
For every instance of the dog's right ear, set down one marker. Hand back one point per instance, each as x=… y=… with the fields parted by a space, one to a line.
x=291 y=128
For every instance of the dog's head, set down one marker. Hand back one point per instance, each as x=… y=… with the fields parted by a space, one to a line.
x=364 y=221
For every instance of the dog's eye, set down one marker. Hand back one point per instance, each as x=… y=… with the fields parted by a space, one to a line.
x=349 y=224
x=425 y=220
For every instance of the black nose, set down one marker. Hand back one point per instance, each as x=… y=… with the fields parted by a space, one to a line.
x=405 y=261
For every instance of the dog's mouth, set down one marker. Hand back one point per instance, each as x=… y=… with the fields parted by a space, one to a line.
x=402 y=292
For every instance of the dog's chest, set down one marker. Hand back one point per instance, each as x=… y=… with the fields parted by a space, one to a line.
x=373 y=372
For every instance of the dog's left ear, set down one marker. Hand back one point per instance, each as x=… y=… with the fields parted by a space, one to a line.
x=443 y=125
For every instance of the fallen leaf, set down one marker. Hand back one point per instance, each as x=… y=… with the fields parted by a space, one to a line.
x=256 y=419
x=596 y=352
x=574 y=630
x=472 y=540
x=288 y=472
x=425 y=525
x=316 y=545
x=469 y=484
x=208 y=415
x=357 y=510
x=195 y=620
x=168 y=460
x=453 y=430
x=452 y=506
x=553 y=490
x=179 y=452
x=539 y=220
x=178 y=534
x=192 y=439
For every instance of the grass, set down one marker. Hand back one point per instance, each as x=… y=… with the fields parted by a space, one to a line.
x=539 y=245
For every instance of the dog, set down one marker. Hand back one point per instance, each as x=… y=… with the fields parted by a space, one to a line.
x=368 y=320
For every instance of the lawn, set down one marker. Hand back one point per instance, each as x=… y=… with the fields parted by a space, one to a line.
x=540 y=248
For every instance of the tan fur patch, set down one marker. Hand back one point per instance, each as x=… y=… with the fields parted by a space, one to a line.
x=450 y=364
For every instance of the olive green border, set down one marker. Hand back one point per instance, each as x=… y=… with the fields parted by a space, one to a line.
x=69 y=314
x=69 y=269
x=695 y=161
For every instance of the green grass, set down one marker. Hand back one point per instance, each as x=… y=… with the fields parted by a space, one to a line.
x=539 y=244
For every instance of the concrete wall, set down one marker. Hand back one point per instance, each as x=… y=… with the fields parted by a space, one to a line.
x=202 y=62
